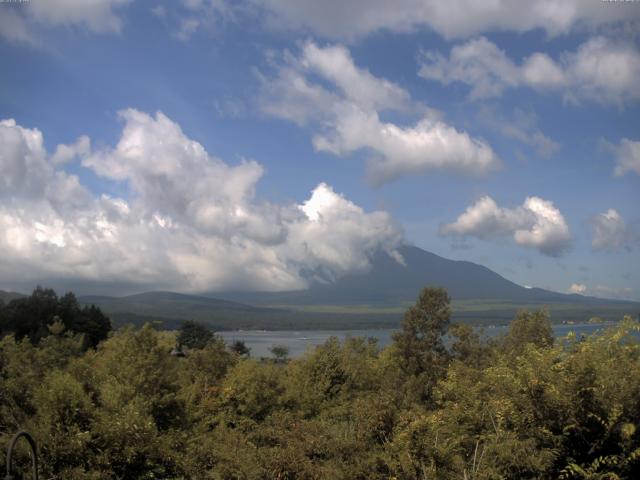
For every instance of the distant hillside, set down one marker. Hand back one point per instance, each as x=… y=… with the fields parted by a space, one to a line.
x=8 y=296
x=169 y=304
x=175 y=307
x=171 y=309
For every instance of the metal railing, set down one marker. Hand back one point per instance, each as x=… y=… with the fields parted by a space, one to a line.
x=34 y=455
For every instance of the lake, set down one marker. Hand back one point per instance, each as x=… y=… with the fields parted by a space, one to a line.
x=260 y=341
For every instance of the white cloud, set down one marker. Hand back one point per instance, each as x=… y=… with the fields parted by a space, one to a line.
x=478 y=63
x=537 y=223
x=190 y=222
x=428 y=145
x=358 y=85
x=338 y=19
x=578 y=288
x=14 y=28
x=452 y=19
x=98 y=16
x=521 y=126
x=67 y=153
x=186 y=17
x=599 y=70
x=25 y=168
x=627 y=157
x=603 y=291
x=611 y=232
x=347 y=119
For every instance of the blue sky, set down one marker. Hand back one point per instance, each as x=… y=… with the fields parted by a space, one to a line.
x=294 y=140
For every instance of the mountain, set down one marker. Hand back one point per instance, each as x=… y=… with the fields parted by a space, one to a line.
x=376 y=298
x=479 y=294
x=391 y=283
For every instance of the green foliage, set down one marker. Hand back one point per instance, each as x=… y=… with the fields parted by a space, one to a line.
x=250 y=392
x=522 y=407
x=528 y=328
x=468 y=347
x=194 y=335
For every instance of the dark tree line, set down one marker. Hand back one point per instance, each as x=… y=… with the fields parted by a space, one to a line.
x=35 y=316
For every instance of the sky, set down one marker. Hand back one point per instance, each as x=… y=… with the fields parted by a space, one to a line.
x=214 y=145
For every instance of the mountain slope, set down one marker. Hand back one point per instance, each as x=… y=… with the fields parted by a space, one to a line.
x=376 y=298
x=390 y=283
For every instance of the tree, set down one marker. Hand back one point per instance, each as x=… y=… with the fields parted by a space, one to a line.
x=280 y=352
x=30 y=317
x=468 y=346
x=240 y=348
x=93 y=323
x=419 y=345
x=194 y=335
x=529 y=328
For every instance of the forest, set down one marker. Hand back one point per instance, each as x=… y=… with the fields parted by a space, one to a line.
x=105 y=403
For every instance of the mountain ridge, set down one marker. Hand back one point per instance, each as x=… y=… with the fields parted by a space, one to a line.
x=372 y=299
x=391 y=283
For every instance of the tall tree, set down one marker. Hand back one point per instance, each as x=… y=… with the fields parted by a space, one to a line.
x=419 y=345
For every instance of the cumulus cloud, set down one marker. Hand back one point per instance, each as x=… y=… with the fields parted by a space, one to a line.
x=347 y=117
x=67 y=153
x=98 y=16
x=611 y=232
x=627 y=157
x=578 y=288
x=603 y=291
x=188 y=222
x=537 y=223
x=453 y=19
x=600 y=70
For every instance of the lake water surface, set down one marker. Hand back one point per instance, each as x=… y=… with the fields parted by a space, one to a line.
x=260 y=341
